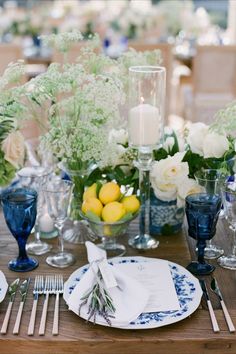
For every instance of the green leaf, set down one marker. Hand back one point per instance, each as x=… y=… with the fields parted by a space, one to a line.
x=92 y=216
x=127 y=217
x=160 y=154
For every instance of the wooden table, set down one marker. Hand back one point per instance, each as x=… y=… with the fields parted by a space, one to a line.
x=192 y=335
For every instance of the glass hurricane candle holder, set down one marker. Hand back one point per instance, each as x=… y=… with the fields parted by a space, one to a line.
x=145 y=126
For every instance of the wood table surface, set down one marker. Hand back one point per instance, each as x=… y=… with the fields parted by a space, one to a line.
x=191 y=335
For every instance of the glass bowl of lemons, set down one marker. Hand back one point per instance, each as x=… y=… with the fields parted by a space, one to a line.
x=109 y=213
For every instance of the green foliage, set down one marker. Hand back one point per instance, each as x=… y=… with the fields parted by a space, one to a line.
x=117 y=173
x=7 y=171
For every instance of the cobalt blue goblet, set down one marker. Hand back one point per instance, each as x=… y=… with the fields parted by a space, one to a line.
x=202 y=212
x=20 y=209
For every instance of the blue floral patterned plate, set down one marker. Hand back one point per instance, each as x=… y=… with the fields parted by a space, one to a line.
x=187 y=288
x=3 y=286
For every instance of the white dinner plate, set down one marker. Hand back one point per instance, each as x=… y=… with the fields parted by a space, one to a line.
x=3 y=286
x=187 y=288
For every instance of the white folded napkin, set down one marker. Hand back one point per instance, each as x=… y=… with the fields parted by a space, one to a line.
x=128 y=295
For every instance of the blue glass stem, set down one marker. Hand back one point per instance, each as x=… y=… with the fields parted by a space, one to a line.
x=22 y=251
x=201 y=244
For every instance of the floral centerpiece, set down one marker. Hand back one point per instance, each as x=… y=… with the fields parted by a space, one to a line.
x=172 y=175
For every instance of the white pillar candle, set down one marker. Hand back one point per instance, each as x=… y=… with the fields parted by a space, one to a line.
x=144 y=125
x=46 y=223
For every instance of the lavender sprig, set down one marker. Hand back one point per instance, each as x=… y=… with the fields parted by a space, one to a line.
x=99 y=302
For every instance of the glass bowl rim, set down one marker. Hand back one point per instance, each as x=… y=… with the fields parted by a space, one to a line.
x=103 y=223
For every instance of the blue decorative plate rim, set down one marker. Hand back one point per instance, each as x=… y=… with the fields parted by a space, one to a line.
x=3 y=286
x=187 y=287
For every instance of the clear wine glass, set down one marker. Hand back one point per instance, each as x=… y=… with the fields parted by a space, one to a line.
x=35 y=177
x=211 y=180
x=57 y=195
x=20 y=209
x=202 y=211
x=229 y=202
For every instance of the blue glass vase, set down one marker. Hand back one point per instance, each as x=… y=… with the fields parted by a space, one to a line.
x=166 y=217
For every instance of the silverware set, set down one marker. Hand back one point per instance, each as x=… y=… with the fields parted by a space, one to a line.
x=45 y=286
x=215 y=288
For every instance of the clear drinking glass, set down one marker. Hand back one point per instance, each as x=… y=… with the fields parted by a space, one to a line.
x=211 y=180
x=35 y=177
x=229 y=202
x=57 y=195
x=145 y=126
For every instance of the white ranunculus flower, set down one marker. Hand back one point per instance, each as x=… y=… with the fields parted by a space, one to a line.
x=118 y=136
x=215 y=145
x=170 y=170
x=196 y=137
x=14 y=149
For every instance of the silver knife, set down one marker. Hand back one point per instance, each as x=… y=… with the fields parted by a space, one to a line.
x=215 y=288
x=214 y=322
x=12 y=293
x=23 y=292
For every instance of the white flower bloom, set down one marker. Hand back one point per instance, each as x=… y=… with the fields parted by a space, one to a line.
x=169 y=143
x=14 y=148
x=165 y=192
x=170 y=170
x=196 y=137
x=215 y=145
x=167 y=174
x=118 y=136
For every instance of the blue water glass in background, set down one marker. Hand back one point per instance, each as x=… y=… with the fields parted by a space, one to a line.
x=20 y=209
x=202 y=211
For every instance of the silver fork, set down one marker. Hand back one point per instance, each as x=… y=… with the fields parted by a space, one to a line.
x=48 y=289
x=58 y=289
x=38 y=290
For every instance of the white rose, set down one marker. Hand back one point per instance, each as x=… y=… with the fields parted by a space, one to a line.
x=196 y=137
x=215 y=145
x=14 y=149
x=118 y=136
x=165 y=192
x=170 y=170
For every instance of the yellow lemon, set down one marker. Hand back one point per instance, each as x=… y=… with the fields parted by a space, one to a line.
x=91 y=192
x=131 y=203
x=110 y=192
x=92 y=204
x=113 y=212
